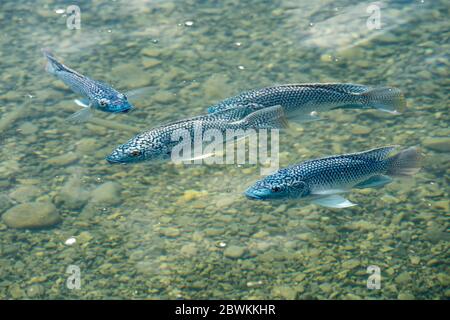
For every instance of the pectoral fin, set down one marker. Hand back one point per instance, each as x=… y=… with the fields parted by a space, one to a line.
x=82 y=102
x=300 y=117
x=333 y=201
x=80 y=116
x=374 y=182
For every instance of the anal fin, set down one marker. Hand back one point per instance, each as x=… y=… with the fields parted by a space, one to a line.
x=333 y=201
x=374 y=182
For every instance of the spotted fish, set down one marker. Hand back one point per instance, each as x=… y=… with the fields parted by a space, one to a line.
x=158 y=143
x=302 y=102
x=95 y=94
x=324 y=180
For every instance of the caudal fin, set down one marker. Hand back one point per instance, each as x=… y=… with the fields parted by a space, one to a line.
x=266 y=118
x=386 y=99
x=53 y=65
x=405 y=163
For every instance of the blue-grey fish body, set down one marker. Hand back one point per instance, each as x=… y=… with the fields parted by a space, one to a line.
x=302 y=101
x=157 y=144
x=323 y=180
x=95 y=94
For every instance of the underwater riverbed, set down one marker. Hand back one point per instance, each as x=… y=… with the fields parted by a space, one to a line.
x=165 y=231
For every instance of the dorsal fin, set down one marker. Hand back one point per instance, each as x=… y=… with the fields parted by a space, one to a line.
x=376 y=154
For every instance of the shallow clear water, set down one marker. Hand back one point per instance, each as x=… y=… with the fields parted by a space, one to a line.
x=170 y=231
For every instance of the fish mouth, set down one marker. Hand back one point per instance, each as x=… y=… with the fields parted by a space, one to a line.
x=111 y=160
x=128 y=110
x=253 y=196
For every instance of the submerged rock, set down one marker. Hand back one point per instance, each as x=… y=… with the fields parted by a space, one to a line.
x=31 y=215
x=25 y=193
x=234 y=252
x=437 y=144
x=5 y=203
x=72 y=195
x=107 y=194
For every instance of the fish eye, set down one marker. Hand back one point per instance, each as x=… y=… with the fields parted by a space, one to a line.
x=135 y=153
x=276 y=189
x=103 y=102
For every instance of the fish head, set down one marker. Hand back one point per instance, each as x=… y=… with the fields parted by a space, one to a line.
x=115 y=103
x=277 y=186
x=138 y=149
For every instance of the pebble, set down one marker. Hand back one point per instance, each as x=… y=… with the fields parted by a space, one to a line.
x=5 y=203
x=403 y=278
x=405 y=296
x=63 y=160
x=358 y=129
x=151 y=52
x=350 y=264
x=234 y=252
x=190 y=195
x=16 y=292
x=35 y=291
x=437 y=144
x=131 y=75
x=72 y=195
x=170 y=232
x=27 y=128
x=87 y=145
x=189 y=250
x=285 y=292
x=164 y=97
x=31 y=215
x=25 y=193
x=108 y=194
x=150 y=63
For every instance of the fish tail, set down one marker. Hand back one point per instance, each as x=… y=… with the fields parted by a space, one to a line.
x=53 y=65
x=387 y=99
x=267 y=118
x=405 y=163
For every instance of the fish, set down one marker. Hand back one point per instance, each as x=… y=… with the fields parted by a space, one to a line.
x=96 y=94
x=158 y=143
x=324 y=181
x=303 y=102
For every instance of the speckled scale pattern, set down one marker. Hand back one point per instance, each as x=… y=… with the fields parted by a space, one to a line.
x=160 y=139
x=93 y=90
x=293 y=96
x=334 y=172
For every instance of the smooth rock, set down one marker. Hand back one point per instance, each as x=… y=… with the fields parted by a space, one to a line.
x=35 y=291
x=164 y=97
x=28 y=128
x=107 y=194
x=358 y=129
x=31 y=215
x=170 y=232
x=285 y=292
x=5 y=203
x=25 y=193
x=437 y=144
x=72 y=195
x=403 y=278
x=234 y=252
x=405 y=296
x=63 y=159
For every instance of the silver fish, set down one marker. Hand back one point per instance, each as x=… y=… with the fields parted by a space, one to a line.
x=96 y=94
x=324 y=180
x=302 y=102
x=158 y=143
